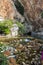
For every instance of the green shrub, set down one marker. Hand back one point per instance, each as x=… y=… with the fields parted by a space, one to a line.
x=8 y=23
x=5 y=26
x=4 y=30
x=3 y=59
x=21 y=28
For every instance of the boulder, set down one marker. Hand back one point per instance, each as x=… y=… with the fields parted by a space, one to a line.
x=7 y=9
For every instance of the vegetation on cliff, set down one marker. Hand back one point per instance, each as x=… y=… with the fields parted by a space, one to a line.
x=5 y=26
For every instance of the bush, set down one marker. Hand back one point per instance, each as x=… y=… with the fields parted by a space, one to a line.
x=8 y=23
x=21 y=28
x=3 y=59
x=5 y=26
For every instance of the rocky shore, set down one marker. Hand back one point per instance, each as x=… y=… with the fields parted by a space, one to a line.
x=22 y=52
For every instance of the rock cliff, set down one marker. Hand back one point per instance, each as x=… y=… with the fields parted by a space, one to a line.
x=33 y=10
x=6 y=9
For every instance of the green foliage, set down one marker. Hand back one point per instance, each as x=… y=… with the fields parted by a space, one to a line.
x=21 y=28
x=7 y=23
x=42 y=14
x=3 y=59
x=5 y=26
x=2 y=46
x=4 y=29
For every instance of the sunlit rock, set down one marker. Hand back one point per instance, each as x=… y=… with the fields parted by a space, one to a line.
x=14 y=30
x=1 y=19
x=7 y=9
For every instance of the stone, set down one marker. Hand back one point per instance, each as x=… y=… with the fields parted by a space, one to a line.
x=10 y=63
x=7 y=53
x=32 y=12
x=7 y=9
x=13 y=61
x=14 y=30
x=1 y=19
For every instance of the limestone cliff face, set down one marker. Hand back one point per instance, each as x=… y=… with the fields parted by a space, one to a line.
x=33 y=10
x=7 y=9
